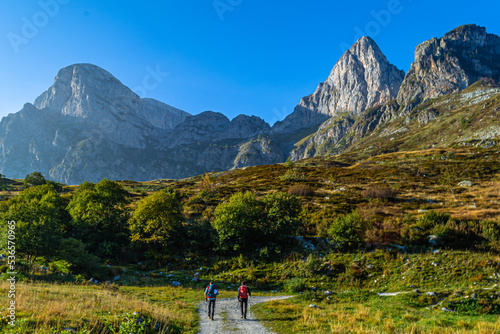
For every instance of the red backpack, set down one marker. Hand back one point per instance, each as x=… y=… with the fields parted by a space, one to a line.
x=243 y=291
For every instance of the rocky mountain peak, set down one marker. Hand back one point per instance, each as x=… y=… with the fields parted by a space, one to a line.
x=362 y=78
x=449 y=64
x=92 y=94
x=79 y=82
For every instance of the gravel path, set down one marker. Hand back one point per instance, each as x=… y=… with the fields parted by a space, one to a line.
x=227 y=317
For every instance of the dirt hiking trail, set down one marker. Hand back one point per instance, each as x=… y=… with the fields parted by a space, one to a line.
x=227 y=317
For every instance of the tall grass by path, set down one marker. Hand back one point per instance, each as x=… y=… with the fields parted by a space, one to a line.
x=46 y=308
x=377 y=315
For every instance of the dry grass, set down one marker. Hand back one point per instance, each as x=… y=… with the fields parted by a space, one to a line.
x=301 y=190
x=41 y=307
x=380 y=192
x=368 y=319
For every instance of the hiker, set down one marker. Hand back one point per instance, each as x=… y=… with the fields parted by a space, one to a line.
x=243 y=294
x=211 y=293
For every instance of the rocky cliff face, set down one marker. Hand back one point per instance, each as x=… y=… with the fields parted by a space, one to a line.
x=362 y=78
x=450 y=64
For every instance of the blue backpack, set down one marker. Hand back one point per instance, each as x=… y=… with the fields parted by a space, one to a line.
x=212 y=291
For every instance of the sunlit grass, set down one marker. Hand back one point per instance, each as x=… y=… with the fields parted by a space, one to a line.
x=45 y=308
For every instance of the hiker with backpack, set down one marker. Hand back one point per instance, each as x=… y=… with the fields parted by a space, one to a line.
x=211 y=294
x=243 y=294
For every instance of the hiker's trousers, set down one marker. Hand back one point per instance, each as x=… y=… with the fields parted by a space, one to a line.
x=211 y=308
x=244 y=306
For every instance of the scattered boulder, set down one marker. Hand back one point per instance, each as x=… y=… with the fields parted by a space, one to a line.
x=435 y=264
x=447 y=310
x=313 y=306
x=175 y=283
x=430 y=293
x=328 y=293
x=465 y=183
x=433 y=239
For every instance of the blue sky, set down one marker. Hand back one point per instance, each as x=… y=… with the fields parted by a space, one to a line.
x=233 y=56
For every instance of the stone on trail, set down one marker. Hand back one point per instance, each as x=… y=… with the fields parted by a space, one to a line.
x=465 y=183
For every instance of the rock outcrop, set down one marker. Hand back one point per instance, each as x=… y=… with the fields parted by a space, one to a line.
x=450 y=64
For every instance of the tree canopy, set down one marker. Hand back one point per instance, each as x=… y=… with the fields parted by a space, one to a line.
x=34 y=179
x=99 y=216
x=156 y=221
x=245 y=223
x=39 y=213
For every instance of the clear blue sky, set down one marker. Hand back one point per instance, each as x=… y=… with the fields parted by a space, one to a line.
x=243 y=57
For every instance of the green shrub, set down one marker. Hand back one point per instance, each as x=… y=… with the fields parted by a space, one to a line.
x=348 y=231
x=490 y=230
x=236 y=222
x=295 y=284
x=156 y=222
x=433 y=218
x=292 y=175
x=34 y=179
x=73 y=251
x=464 y=122
x=245 y=223
x=60 y=266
